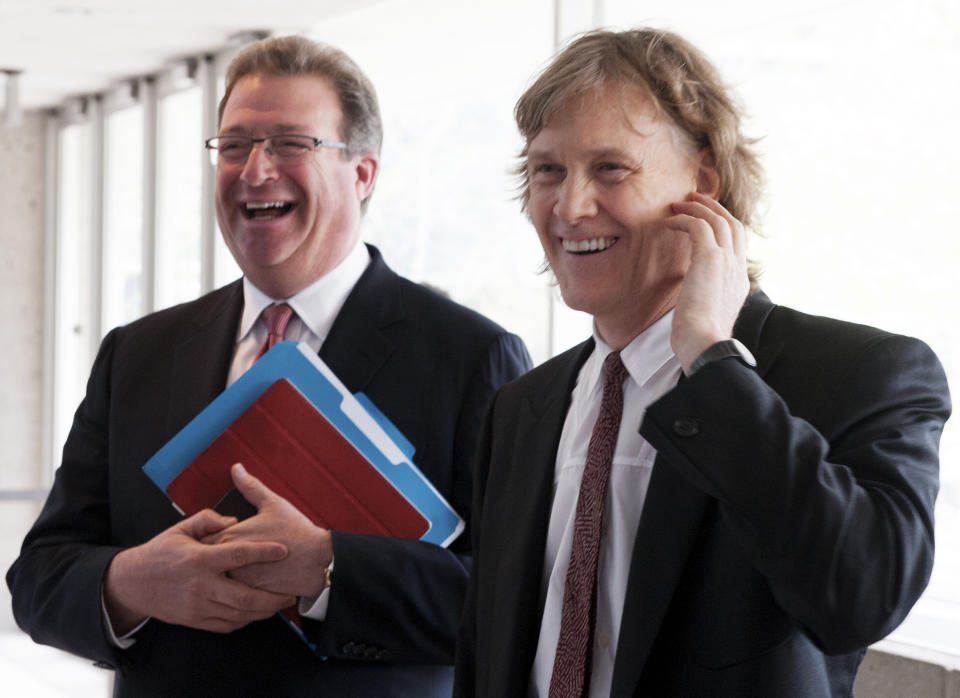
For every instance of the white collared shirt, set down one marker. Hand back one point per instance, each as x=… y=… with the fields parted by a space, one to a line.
x=316 y=308
x=654 y=370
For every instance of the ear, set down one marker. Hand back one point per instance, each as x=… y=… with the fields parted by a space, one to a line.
x=367 y=167
x=708 y=179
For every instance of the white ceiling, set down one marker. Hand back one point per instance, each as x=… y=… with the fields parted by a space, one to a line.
x=67 y=48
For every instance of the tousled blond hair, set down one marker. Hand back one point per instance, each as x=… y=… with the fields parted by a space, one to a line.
x=683 y=86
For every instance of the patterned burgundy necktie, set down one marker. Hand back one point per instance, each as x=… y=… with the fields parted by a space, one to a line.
x=276 y=316
x=571 y=665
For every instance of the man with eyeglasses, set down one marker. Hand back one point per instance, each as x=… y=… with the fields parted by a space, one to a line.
x=188 y=607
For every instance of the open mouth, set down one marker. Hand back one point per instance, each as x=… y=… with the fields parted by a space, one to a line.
x=266 y=210
x=591 y=246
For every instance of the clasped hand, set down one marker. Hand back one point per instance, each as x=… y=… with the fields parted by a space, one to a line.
x=214 y=573
x=309 y=547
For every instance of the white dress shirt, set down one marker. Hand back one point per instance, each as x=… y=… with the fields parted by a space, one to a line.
x=653 y=370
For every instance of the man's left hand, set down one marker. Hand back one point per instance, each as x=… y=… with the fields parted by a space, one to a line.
x=716 y=283
x=310 y=548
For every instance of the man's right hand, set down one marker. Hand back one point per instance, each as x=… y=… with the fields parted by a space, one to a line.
x=175 y=578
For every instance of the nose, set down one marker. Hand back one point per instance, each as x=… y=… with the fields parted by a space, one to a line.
x=259 y=167
x=576 y=200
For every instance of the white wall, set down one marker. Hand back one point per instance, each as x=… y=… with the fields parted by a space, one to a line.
x=21 y=299
x=21 y=328
x=22 y=152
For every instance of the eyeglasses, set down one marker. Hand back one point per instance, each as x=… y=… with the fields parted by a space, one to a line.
x=284 y=148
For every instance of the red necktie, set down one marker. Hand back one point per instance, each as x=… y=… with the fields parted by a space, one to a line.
x=571 y=664
x=276 y=316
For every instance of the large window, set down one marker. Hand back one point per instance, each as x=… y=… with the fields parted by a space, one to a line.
x=74 y=286
x=179 y=203
x=443 y=210
x=123 y=218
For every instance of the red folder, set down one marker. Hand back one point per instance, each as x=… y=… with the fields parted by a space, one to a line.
x=295 y=451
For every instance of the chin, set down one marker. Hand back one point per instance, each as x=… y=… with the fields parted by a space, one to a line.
x=577 y=299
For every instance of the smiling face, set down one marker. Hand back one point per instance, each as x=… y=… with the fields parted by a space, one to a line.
x=600 y=190
x=288 y=225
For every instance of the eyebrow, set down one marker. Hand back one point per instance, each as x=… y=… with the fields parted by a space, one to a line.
x=595 y=154
x=275 y=129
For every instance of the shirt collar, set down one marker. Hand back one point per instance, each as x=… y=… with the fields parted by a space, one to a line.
x=318 y=304
x=643 y=357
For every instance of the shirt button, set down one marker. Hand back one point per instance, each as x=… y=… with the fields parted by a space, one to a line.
x=603 y=641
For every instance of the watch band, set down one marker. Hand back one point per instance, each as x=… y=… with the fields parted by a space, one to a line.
x=724 y=349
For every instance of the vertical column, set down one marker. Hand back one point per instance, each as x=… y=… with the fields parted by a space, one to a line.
x=148 y=96
x=95 y=113
x=207 y=79
x=48 y=454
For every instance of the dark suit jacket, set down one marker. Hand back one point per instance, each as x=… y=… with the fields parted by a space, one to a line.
x=429 y=364
x=787 y=525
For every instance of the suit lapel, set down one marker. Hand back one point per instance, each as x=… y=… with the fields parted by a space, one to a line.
x=202 y=355
x=528 y=486
x=355 y=349
x=669 y=525
x=358 y=344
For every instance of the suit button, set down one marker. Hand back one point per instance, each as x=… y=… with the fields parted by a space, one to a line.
x=686 y=426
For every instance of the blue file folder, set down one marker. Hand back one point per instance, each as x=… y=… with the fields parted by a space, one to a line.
x=354 y=416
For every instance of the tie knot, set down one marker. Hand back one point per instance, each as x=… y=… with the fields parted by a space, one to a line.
x=276 y=317
x=613 y=369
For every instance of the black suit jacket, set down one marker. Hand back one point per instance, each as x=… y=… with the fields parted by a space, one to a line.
x=429 y=364
x=788 y=522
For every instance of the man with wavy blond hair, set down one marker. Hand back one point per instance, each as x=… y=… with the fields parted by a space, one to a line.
x=713 y=495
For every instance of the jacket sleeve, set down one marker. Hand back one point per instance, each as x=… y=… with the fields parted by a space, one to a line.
x=397 y=600
x=827 y=477
x=55 y=583
x=465 y=676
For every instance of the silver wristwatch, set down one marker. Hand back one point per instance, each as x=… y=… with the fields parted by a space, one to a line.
x=724 y=349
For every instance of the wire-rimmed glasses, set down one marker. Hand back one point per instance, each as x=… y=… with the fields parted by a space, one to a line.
x=284 y=148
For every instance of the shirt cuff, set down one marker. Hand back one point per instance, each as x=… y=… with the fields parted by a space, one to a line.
x=125 y=642
x=315 y=607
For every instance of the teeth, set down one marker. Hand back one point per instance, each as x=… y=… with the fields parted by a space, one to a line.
x=259 y=206
x=592 y=245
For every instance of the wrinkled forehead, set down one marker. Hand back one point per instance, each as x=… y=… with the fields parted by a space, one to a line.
x=285 y=102
x=628 y=103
